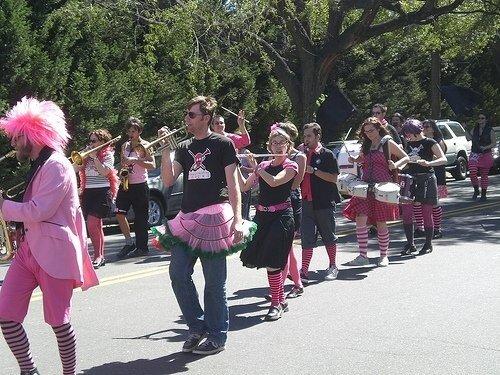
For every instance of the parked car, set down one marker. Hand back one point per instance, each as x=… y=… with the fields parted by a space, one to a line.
x=457 y=141
x=496 y=152
x=458 y=146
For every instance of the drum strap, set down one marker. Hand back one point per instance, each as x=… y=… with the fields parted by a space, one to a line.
x=394 y=172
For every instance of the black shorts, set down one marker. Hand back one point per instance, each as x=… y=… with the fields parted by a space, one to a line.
x=96 y=202
x=137 y=195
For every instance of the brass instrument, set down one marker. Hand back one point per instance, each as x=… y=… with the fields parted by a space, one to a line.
x=10 y=154
x=143 y=148
x=8 y=244
x=77 y=157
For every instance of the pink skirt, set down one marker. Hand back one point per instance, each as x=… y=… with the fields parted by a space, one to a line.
x=375 y=210
x=483 y=161
x=442 y=191
x=205 y=232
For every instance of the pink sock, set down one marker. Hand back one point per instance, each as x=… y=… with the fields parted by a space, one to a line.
x=18 y=342
x=307 y=255
x=66 y=341
x=96 y=234
x=383 y=241
x=292 y=269
x=437 y=216
x=276 y=286
x=417 y=214
x=332 y=253
x=362 y=236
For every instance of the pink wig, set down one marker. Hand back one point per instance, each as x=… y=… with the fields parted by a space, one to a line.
x=42 y=122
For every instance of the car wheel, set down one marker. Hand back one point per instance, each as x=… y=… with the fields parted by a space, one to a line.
x=156 y=211
x=460 y=171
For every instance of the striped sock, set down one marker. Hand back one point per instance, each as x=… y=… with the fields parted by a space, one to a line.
x=18 y=342
x=383 y=241
x=276 y=286
x=307 y=255
x=437 y=216
x=417 y=214
x=362 y=235
x=473 y=175
x=332 y=253
x=484 y=178
x=66 y=341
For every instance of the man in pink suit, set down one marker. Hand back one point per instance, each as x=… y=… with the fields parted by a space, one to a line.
x=51 y=237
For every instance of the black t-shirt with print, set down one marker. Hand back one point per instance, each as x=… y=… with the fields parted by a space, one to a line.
x=203 y=164
x=420 y=150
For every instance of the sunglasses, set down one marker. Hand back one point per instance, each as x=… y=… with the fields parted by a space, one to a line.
x=93 y=140
x=192 y=115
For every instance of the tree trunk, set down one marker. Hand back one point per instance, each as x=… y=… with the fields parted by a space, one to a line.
x=435 y=85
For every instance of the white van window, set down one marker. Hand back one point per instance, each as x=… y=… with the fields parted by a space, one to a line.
x=457 y=129
x=446 y=133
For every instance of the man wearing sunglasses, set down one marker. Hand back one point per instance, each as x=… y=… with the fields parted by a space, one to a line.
x=379 y=111
x=208 y=227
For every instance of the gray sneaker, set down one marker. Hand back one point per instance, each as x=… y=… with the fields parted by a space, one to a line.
x=208 y=347
x=192 y=342
x=359 y=261
x=331 y=273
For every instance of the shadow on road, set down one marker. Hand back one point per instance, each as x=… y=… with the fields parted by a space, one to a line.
x=171 y=364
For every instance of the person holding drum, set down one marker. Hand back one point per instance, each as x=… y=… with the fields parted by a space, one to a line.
x=481 y=158
x=375 y=157
x=425 y=154
x=431 y=130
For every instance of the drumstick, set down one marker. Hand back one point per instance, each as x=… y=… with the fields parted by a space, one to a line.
x=231 y=112
x=343 y=141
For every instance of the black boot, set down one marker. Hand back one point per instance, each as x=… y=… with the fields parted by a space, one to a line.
x=410 y=246
x=483 y=195
x=476 y=193
x=427 y=248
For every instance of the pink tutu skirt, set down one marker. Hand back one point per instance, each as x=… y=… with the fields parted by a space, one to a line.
x=205 y=232
x=442 y=191
x=375 y=210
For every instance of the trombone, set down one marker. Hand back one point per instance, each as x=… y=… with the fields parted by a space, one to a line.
x=77 y=157
x=143 y=148
x=172 y=142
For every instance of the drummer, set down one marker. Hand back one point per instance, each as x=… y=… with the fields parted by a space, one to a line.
x=375 y=158
x=425 y=154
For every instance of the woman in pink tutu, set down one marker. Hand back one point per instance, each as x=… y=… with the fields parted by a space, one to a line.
x=274 y=217
x=377 y=151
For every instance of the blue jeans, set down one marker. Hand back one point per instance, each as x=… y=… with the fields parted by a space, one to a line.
x=215 y=319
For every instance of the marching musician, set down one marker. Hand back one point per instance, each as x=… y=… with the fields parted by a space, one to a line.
x=425 y=154
x=481 y=157
x=98 y=187
x=375 y=159
x=52 y=241
x=239 y=140
x=134 y=190
x=209 y=225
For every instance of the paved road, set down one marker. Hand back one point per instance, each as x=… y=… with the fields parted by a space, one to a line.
x=435 y=314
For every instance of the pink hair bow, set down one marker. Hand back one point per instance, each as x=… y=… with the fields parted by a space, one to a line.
x=275 y=126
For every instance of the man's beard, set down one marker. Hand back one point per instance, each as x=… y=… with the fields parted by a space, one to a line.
x=24 y=152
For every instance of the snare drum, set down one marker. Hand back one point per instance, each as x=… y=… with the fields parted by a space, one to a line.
x=345 y=179
x=387 y=192
x=358 y=188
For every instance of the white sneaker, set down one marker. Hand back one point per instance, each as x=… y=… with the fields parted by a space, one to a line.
x=383 y=262
x=331 y=273
x=359 y=261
